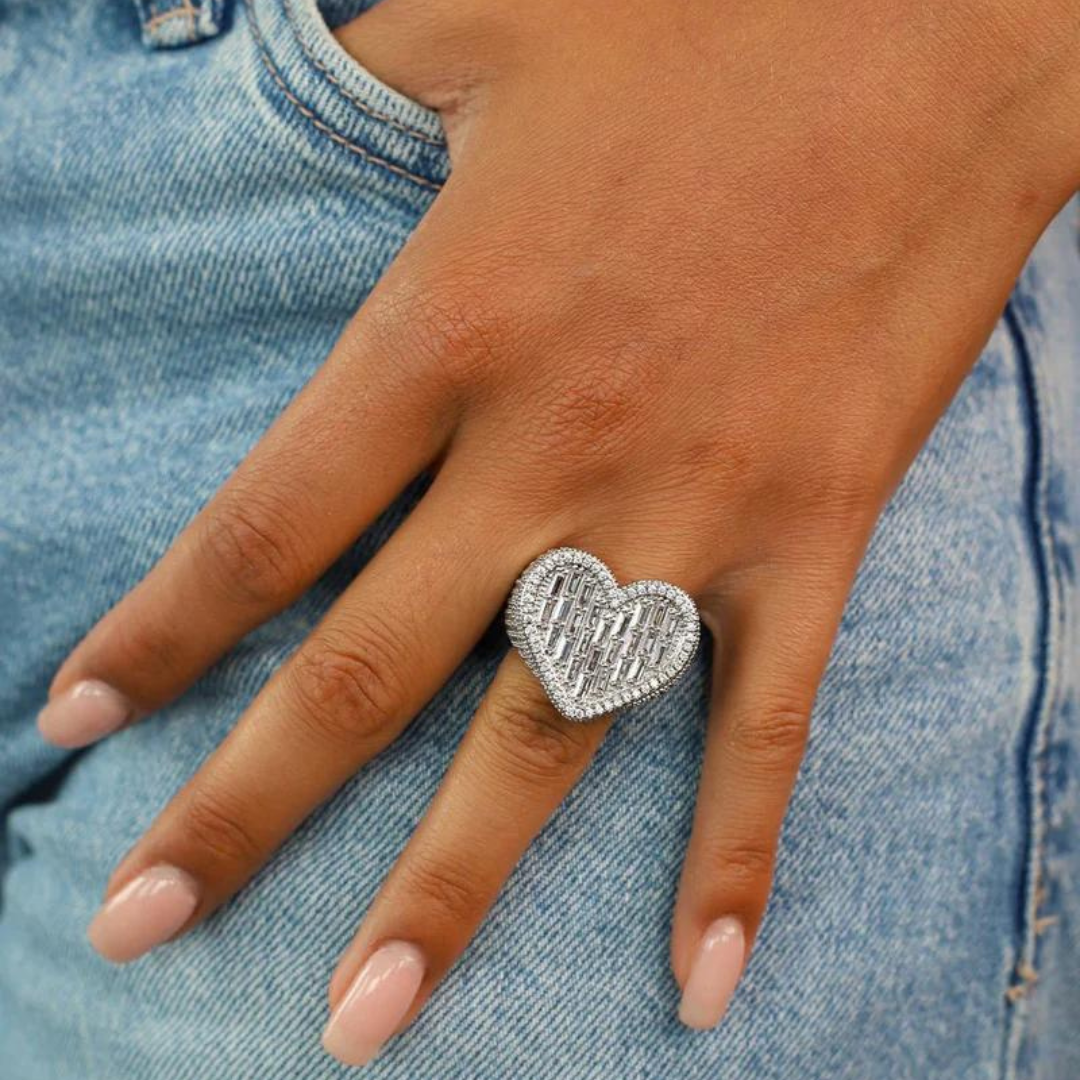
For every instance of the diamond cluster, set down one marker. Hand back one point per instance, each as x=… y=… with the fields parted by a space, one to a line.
x=597 y=647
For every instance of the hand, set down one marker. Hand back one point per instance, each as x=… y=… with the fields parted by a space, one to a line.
x=697 y=290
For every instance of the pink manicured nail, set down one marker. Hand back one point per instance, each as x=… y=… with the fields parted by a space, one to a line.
x=713 y=975
x=86 y=712
x=375 y=1004
x=145 y=912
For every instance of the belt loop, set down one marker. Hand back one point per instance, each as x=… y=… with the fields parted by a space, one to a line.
x=168 y=24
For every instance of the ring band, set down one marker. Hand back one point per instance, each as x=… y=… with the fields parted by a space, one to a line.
x=597 y=647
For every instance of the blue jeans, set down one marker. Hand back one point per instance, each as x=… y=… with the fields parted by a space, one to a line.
x=183 y=233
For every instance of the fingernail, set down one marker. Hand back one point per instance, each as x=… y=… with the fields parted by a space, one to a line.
x=375 y=1003
x=145 y=912
x=86 y=712
x=714 y=974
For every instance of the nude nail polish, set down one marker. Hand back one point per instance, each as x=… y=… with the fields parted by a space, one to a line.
x=84 y=713
x=714 y=974
x=375 y=1003
x=145 y=912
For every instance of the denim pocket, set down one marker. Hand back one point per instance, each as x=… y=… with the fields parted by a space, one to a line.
x=339 y=100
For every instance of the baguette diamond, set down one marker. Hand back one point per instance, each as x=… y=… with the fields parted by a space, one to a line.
x=594 y=646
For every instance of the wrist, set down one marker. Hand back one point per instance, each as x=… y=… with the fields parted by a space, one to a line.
x=982 y=95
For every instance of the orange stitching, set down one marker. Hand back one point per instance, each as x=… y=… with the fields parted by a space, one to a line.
x=1028 y=978
x=319 y=126
x=187 y=11
x=358 y=102
x=1045 y=923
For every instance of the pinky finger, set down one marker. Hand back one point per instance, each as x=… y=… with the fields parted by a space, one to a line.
x=765 y=675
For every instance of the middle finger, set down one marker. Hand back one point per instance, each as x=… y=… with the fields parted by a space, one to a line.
x=514 y=767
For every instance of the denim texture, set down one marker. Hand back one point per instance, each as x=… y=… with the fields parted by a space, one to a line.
x=183 y=234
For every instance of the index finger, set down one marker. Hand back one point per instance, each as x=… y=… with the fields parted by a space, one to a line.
x=364 y=426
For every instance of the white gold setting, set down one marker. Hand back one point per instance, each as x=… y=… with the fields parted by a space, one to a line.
x=596 y=647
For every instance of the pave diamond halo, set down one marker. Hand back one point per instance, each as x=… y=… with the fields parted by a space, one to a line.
x=597 y=647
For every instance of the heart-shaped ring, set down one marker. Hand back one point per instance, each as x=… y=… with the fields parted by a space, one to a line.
x=596 y=647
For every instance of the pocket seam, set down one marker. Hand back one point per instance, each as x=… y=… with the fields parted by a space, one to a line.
x=319 y=125
x=349 y=96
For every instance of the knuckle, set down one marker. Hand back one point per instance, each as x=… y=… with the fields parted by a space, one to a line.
x=716 y=461
x=535 y=745
x=846 y=496
x=742 y=868
x=245 y=542
x=149 y=646
x=346 y=685
x=596 y=409
x=594 y=414
x=837 y=477
x=588 y=425
x=772 y=735
x=214 y=823
x=459 y=332
x=446 y=892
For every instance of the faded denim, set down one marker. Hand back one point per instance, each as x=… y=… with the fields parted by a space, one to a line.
x=194 y=197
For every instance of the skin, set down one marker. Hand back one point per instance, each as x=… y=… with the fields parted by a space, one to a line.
x=701 y=282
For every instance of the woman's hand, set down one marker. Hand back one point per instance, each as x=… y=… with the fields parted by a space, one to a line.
x=701 y=282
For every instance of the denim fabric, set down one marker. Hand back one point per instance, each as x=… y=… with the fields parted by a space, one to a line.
x=183 y=233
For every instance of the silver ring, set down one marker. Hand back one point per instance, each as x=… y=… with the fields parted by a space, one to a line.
x=596 y=647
